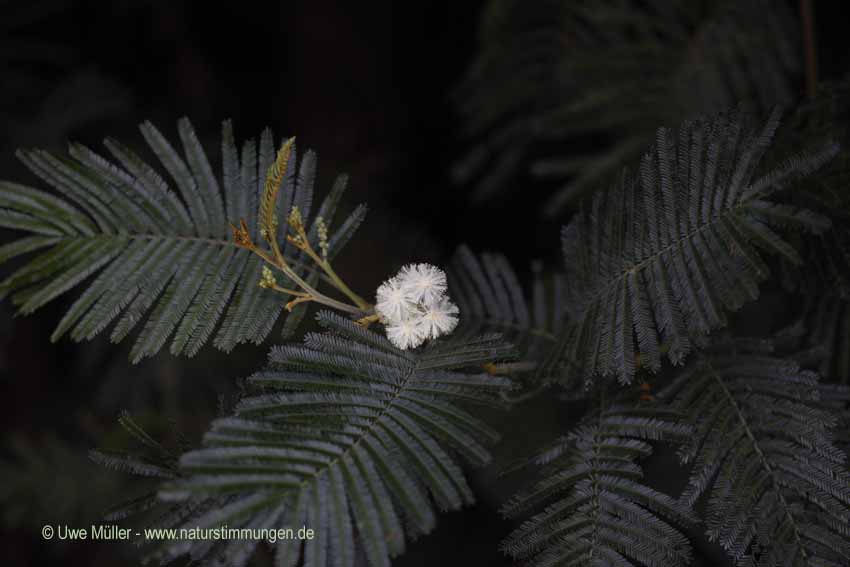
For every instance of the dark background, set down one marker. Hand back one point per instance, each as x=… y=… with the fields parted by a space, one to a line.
x=365 y=84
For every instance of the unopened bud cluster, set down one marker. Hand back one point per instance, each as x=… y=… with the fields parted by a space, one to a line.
x=267 y=280
x=414 y=306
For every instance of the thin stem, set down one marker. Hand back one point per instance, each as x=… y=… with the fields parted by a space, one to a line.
x=304 y=244
x=341 y=286
x=283 y=266
x=217 y=242
x=296 y=293
x=280 y=263
x=310 y=293
x=368 y=320
x=809 y=48
x=331 y=302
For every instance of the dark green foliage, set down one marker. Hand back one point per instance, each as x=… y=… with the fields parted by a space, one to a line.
x=490 y=298
x=825 y=283
x=573 y=90
x=836 y=397
x=826 y=320
x=153 y=460
x=590 y=508
x=655 y=262
x=777 y=491
x=163 y=261
x=345 y=434
x=825 y=117
x=363 y=443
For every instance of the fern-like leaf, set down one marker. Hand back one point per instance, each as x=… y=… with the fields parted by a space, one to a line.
x=491 y=300
x=778 y=493
x=345 y=434
x=161 y=260
x=655 y=262
x=569 y=92
x=826 y=320
x=590 y=507
x=825 y=117
x=154 y=460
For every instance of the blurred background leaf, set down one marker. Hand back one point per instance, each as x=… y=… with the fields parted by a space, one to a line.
x=567 y=92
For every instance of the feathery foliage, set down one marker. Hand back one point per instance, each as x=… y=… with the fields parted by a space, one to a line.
x=655 y=262
x=162 y=260
x=153 y=461
x=491 y=300
x=590 y=507
x=778 y=492
x=826 y=320
x=824 y=117
x=825 y=283
x=551 y=75
x=345 y=434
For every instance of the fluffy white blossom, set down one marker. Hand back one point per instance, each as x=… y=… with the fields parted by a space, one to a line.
x=414 y=305
x=392 y=303
x=423 y=283
x=406 y=334
x=439 y=318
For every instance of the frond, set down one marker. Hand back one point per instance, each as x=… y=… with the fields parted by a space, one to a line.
x=590 y=508
x=156 y=254
x=569 y=92
x=836 y=397
x=153 y=460
x=777 y=491
x=491 y=300
x=826 y=319
x=825 y=117
x=348 y=435
x=657 y=261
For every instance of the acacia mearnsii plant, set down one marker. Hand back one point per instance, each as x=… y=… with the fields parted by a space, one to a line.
x=361 y=430
x=561 y=95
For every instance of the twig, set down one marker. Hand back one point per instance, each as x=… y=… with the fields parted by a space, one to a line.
x=809 y=50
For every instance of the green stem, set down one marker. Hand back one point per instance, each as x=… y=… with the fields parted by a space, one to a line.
x=809 y=47
x=331 y=302
x=302 y=241
x=280 y=263
x=341 y=286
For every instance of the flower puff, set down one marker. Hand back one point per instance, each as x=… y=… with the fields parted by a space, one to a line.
x=439 y=318
x=423 y=283
x=392 y=303
x=406 y=334
x=414 y=306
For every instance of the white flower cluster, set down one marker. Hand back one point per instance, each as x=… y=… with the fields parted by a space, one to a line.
x=415 y=306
